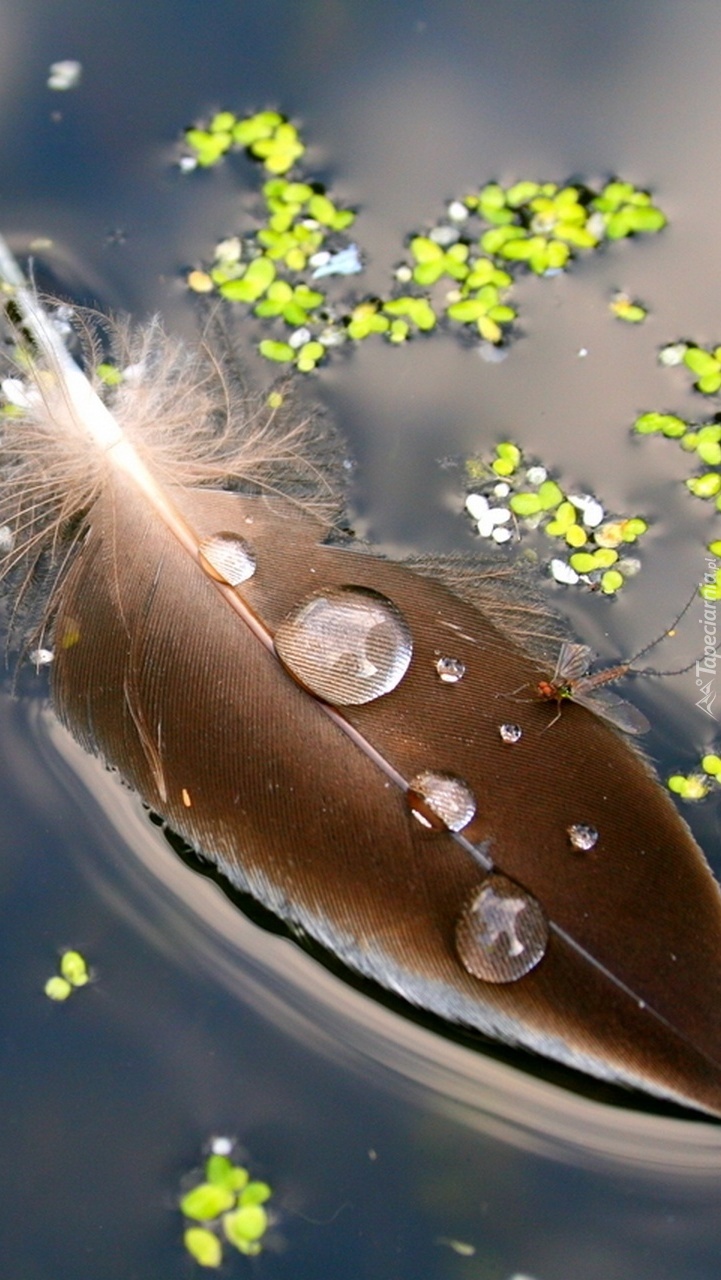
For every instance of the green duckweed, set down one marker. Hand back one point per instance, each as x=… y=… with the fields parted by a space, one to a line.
x=226 y=1207
x=204 y=1246
x=690 y=787
x=57 y=988
x=73 y=974
x=538 y=501
x=484 y=239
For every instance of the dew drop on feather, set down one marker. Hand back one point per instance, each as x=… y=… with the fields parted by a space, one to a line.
x=443 y=797
x=450 y=670
x=228 y=558
x=582 y=836
x=348 y=645
x=510 y=733
x=502 y=933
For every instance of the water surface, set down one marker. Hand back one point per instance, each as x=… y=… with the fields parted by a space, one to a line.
x=384 y=1141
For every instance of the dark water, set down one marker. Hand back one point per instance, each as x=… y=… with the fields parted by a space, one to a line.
x=383 y=1140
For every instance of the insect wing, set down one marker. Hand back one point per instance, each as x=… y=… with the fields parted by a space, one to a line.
x=573 y=662
x=609 y=706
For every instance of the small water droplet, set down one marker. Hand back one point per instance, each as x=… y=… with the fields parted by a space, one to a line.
x=41 y=657
x=348 y=645
x=441 y=801
x=450 y=670
x=582 y=836
x=228 y=558
x=510 y=733
x=221 y=1146
x=502 y=932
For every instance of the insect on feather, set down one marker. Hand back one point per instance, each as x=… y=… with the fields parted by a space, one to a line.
x=573 y=681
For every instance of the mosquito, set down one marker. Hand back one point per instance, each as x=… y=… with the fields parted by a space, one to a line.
x=573 y=681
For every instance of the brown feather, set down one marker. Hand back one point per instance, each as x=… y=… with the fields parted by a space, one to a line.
x=173 y=678
x=153 y=671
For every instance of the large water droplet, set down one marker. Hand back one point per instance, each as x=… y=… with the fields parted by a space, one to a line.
x=582 y=836
x=450 y=670
x=348 y=645
x=502 y=932
x=228 y=558
x=441 y=801
x=510 y=733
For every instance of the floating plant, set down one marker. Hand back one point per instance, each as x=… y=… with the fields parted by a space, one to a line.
x=268 y=136
x=701 y=440
x=72 y=973
x=460 y=270
x=508 y=493
x=623 y=307
x=700 y=782
x=226 y=1207
x=705 y=365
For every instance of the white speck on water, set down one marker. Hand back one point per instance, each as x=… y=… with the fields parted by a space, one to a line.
x=562 y=572
x=457 y=211
x=590 y=508
x=672 y=355
x=476 y=505
x=65 y=75
x=444 y=236
x=347 y=262
x=492 y=354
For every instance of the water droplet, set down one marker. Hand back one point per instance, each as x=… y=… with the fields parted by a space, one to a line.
x=450 y=670
x=441 y=801
x=511 y=733
x=582 y=836
x=228 y=558
x=502 y=932
x=348 y=645
x=221 y=1146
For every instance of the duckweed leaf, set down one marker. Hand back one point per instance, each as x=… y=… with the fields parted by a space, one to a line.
x=255 y=1193
x=203 y=1246
x=221 y=1172
x=245 y=1225
x=207 y=1201
x=74 y=969
x=58 y=988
